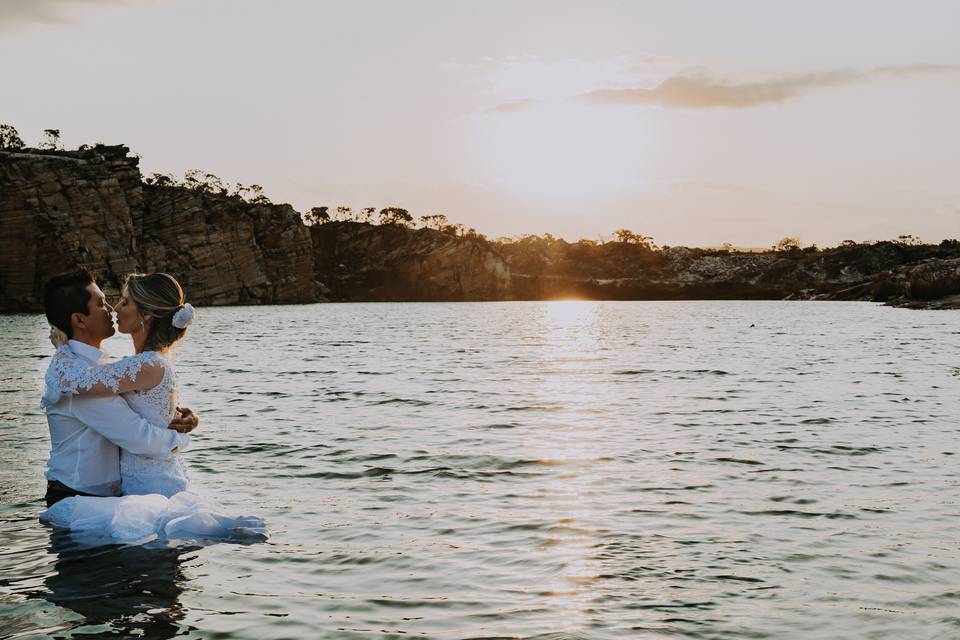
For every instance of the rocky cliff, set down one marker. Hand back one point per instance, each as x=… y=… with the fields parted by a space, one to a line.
x=226 y=251
x=897 y=273
x=64 y=209
x=60 y=210
x=359 y=261
x=90 y=208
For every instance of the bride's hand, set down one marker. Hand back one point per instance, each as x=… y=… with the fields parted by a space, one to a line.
x=185 y=420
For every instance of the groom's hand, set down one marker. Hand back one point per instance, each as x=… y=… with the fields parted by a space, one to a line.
x=185 y=420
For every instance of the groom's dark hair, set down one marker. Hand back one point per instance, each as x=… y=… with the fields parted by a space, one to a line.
x=64 y=295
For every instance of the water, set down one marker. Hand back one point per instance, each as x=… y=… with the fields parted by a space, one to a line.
x=550 y=470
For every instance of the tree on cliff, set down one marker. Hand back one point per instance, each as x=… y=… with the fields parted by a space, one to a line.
x=787 y=244
x=257 y=196
x=160 y=180
x=396 y=216
x=317 y=215
x=51 y=140
x=435 y=221
x=241 y=191
x=252 y=193
x=629 y=237
x=908 y=240
x=10 y=138
x=203 y=181
x=344 y=214
x=366 y=214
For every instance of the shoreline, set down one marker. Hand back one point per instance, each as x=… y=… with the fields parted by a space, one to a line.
x=92 y=208
x=951 y=303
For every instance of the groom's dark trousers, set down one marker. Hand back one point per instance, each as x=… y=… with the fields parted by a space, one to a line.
x=57 y=491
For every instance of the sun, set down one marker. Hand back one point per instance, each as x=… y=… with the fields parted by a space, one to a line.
x=564 y=150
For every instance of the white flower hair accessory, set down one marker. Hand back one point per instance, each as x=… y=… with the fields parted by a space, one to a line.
x=184 y=316
x=57 y=337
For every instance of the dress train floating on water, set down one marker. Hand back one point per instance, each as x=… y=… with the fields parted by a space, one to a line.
x=139 y=519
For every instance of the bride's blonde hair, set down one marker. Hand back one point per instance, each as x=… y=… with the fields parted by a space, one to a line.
x=158 y=295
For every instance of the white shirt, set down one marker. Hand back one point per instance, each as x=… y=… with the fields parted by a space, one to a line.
x=86 y=434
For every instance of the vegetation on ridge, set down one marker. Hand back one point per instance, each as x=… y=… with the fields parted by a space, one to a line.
x=625 y=254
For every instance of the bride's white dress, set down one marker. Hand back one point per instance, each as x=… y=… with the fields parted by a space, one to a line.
x=158 y=503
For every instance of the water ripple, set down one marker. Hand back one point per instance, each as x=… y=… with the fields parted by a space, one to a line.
x=554 y=471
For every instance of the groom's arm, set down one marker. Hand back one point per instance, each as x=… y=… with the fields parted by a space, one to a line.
x=114 y=419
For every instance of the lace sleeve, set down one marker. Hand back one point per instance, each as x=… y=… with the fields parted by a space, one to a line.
x=55 y=382
x=70 y=376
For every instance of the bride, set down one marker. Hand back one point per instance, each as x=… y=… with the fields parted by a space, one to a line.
x=157 y=502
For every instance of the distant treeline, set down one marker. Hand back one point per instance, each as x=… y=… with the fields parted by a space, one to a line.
x=623 y=251
x=546 y=245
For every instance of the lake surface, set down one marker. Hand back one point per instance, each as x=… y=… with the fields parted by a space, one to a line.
x=550 y=470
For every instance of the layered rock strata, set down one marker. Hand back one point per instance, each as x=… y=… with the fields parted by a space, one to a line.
x=65 y=209
x=59 y=210
x=363 y=262
x=224 y=250
x=882 y=272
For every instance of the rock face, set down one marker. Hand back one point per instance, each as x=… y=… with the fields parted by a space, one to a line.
x=934 y=279
x=64 y=210
x=364 y=262
x=932 y=284
x=882 y=272
x=224 y=250
x=60 y=210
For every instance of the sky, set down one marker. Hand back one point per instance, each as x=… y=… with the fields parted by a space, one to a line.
x=696 y=123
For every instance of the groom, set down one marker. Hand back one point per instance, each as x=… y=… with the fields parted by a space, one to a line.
x=86 y=433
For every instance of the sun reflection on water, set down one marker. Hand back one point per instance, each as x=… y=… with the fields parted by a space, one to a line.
x=573 y=446
x=562 y=314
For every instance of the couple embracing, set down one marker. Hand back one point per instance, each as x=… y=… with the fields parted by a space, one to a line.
x=116 y=432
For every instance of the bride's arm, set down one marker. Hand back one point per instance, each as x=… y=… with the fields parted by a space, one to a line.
x=111 y=379
x=127 y=374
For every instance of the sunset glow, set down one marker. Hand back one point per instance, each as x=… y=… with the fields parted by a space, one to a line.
x=561 y=151
x=772 y=122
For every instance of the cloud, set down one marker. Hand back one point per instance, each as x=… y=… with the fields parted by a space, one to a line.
x=702 y=92
x=15 y=14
